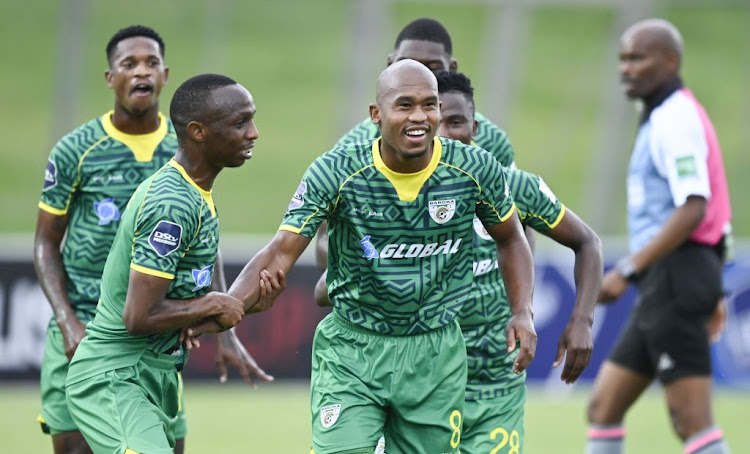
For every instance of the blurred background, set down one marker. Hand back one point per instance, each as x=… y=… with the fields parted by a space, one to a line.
x=544 y=70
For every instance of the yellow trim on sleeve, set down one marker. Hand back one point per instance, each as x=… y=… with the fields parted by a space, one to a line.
x=289 y=228
x=53 y=210
x=40 y=419
x=142 y=145
x=508 y=215
x=130 y=451
x=559 y=218
x=205 y=194
x=150 y=272
x=407 y=185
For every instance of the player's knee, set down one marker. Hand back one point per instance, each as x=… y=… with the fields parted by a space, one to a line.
x=599 y=411
x=687 y=422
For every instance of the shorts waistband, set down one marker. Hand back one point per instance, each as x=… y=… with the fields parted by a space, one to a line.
x=160 y=361
x=346 y=324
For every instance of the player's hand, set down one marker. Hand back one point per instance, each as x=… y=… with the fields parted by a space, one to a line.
x=717 y=321
x=232 y=310
x=229 y=350
x=73 y=332
x=271 y=287
x=613 y=286
x=189 y=336
x=577 y=341
x=521 y=328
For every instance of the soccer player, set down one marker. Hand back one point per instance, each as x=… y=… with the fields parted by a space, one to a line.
x=390 y=358
x=122 y=384
x=678 y=213
x=494 y=408
x=90 y=175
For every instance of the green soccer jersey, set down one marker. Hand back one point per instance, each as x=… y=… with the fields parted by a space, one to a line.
x=488 y=136
x=90 y=175
x=400 y=245
x=485 y=316
x=170 y=230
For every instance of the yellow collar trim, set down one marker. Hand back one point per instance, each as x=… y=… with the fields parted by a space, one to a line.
x=142 y=145
x=206 y=194
x=407 y=185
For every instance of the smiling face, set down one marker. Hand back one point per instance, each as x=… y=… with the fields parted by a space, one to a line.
x=407 y=111
x=137 y=74
x=457 y=117
x=230 y=130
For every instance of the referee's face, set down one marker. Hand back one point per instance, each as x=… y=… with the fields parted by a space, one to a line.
x=137 y=74
x=644 y=64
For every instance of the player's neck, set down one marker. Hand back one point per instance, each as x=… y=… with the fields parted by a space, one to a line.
x=399 y=163
x=197 y=168
x=130 y=123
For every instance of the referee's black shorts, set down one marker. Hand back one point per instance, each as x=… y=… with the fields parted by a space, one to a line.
x=666 y=335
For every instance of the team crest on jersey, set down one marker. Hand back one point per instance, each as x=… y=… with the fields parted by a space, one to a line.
x=369 y=248
x=480 y=230
x=299 y=197
x=329 y=415
x=202 y=277
x=50 y=175
x=165 y=238
x=442 y=211
x=107 y=211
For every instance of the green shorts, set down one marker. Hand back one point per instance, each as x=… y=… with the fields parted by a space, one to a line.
x=495 y=425
x=132 y=408
x=408 y=388
x=55 y=417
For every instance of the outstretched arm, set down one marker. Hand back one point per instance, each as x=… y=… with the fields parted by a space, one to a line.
x=516 y=267
x=577 y=340
x=50 y=231
x=279 y=255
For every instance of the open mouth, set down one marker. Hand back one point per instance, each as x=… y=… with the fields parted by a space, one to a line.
x=416 y=133
x=142 y=89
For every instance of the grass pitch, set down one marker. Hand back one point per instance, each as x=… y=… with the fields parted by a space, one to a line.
x=275 y=419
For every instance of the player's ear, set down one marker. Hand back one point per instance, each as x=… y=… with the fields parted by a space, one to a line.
x=108 y=78
x=389 y=61
x=375 y=114
x=196 y=131
x=474 y=128
x=166 y=74
x=454 y=65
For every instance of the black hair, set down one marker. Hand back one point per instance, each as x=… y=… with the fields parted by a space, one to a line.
x=426 y=29
x=454 y=81
x=131 y=32
x=191 y=99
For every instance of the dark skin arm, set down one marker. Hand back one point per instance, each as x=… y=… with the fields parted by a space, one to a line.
x=577 y=340
x=148 y=312
x=229 y=349
x=321 y=291
x=675 y=231
x=50 y=231
x=277 y=257
x=517 y=270
x=321 y=246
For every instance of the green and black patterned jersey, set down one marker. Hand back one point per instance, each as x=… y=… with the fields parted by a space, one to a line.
x=488 y=136
x=400 y=245
x=169 y=229
x=485 y=316
x=90 y=175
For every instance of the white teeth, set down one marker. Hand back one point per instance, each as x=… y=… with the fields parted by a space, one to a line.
x=416 y=132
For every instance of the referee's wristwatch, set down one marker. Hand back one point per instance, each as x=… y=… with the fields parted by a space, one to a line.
x=626 y=268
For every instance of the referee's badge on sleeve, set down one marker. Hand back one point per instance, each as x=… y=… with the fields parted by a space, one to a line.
x=329 y=415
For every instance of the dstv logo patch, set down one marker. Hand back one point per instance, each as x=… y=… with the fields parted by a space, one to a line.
x=165 y=238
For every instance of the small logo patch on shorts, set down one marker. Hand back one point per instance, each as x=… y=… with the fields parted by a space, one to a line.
x=329 y=415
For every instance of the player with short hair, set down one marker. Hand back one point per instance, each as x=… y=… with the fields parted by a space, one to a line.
x=390 y=357
x=678 y=219
x=90 y=175
x=494 y=413
x=122 y=384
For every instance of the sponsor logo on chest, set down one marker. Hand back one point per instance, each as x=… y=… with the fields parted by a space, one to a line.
x=202 y=277
x=408 y=250
x=106 y=211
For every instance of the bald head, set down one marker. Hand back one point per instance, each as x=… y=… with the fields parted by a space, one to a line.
x=656 y=33
x=401 y=73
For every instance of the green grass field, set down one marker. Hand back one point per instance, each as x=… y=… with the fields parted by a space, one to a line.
x=274 y=419
x=293 y=54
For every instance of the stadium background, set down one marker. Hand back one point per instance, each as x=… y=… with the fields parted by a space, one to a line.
x=545 y=70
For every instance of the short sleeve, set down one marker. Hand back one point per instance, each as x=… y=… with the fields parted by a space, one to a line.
x=314 y=199
x=681 y=150
x=60 y=179
x=537 y=205
x=495 y=204
x=163 y=232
